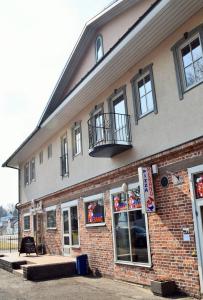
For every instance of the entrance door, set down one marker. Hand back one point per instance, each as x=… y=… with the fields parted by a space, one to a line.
x=196 y=188
x=70 y=229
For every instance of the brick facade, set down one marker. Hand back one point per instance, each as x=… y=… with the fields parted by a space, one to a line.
x=171 y=256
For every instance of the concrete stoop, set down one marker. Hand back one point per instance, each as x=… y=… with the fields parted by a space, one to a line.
x=38 y=272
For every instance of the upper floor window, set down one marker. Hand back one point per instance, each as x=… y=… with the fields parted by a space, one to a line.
x=26 y=174
x=99 y=50
x=144 y=93
x=41 y=157
x=188 y=57
x=32 y=169
x=64 y=156
x=49 y=151
x=76 y=139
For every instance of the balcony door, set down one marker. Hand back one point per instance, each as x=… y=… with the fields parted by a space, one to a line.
x=119 y=109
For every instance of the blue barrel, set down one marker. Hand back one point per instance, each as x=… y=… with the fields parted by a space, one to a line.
x=82 y=264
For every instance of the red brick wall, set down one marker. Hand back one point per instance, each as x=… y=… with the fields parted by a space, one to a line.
x=97 y=241
x=171 y=257
x=52 y=237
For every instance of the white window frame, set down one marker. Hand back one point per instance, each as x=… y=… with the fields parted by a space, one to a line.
x=147 y=265
x=65 y=206
x=48 y=209
x=176 y=49
x=90 y=199
x=26 y=215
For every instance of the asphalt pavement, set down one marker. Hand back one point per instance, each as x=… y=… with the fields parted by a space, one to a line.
x=13 y=287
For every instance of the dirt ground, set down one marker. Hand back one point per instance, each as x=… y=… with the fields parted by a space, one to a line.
x=13 y=287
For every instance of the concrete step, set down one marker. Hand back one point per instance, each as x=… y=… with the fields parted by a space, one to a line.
x=18 y=273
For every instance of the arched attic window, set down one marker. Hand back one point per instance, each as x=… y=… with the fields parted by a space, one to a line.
x=99 y=50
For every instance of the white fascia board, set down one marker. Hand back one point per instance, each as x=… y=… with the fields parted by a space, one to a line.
x=106 y=61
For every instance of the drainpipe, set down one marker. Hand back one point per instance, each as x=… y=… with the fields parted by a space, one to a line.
x=17 y=207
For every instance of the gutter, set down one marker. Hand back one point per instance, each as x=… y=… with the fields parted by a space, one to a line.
x=6 y=163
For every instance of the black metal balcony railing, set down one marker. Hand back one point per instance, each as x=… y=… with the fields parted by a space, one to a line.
x=109 y=134
x=64 y=165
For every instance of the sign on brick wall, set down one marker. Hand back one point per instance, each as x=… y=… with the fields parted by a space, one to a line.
x=146 y=190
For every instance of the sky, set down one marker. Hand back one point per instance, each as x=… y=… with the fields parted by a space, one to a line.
x=37 y=37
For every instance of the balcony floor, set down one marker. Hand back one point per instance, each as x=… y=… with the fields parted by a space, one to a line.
x=108 y=150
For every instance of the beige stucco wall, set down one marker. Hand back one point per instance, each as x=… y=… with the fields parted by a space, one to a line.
x=111 y=33
x=176 y=122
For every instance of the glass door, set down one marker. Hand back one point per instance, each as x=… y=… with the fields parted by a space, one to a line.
x=70 y=228
x=196 y=188
x=119 y=110
x=66 y=231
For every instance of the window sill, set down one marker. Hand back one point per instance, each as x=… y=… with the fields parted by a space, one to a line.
x=52 y=228
x=77 y=154
x=95 y=224
x=192 y=87
x=75 y=247
x=26 y=230
x=146 y=114
x=144 y=265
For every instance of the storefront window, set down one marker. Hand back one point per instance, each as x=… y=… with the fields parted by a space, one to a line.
x=198 y=184
x=129 y=227
x=94 y=211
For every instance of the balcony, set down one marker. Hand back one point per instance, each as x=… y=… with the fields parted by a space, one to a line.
x=109 y=134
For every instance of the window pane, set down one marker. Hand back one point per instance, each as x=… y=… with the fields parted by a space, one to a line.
x=65 y=222
x=94 y=211
x=141 y=88
x=99 y=127
x=134 y=199
x=66 y=240
x=148 y=86
x=120 y=202
x=26 y=222
x=51 y=219
x=150 y=103
x=198 y=65
x=189 y=75
x=77 y=141
x=198 y=183
x=99 y=48
x=122 y=236
x=74 y=225
x=143 y=104
x=186 y=55
x=138 y=236
x=196 y=49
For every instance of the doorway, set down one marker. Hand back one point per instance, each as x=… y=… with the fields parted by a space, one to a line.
x=70 y=232
x=196 y=189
